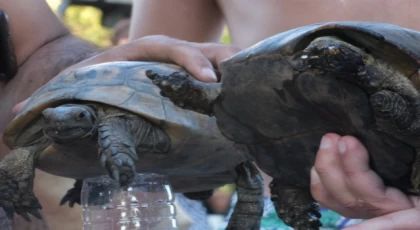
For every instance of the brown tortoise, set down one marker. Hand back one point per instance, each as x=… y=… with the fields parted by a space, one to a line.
x=277 y=98
x=113 y=109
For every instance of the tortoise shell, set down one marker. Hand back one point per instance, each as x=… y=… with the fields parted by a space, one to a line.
x=199 y=158
x=283 y=116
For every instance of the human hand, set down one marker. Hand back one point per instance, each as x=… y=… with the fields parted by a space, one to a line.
x=200 y=59
x=342 y=180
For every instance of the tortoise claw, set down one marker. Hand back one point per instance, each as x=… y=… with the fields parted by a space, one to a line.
x=16 y=187
x=35 y=212
x=116 y=175
x=72 y=196
x=25 y=216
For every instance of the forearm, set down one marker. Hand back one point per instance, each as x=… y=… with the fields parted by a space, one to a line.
x=39 y=68
x=32 y=25
x=191 y=20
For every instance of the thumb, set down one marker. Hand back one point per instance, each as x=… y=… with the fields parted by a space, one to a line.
x=407 y=219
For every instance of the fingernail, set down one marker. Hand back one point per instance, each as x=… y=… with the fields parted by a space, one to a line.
x=325 y=143
x=314 y=176
x=342 y=148
x=209 y=74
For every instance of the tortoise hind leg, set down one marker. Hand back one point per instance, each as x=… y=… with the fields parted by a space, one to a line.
x=397 y=114
x=250 y=205
x=73 y=195
x=121 y=138
x=17 y=172
x=295 y=206
x=185 y=91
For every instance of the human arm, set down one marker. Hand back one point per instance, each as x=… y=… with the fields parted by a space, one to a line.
x=32 y=25
x=190 y=20
x=43 y=47
x=343 y=181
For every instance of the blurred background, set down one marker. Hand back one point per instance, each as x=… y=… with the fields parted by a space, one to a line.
x=96 y=20
x=106 y=23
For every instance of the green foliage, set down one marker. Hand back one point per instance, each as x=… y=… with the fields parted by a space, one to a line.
x=225 y=37
x=85 y=22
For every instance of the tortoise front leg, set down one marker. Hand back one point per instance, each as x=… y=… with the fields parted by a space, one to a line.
x=295 y=206
x=185 y=91
x=17 y=172
x=121 y=138
x=250 y=205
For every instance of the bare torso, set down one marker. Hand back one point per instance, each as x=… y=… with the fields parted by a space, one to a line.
x=250 y=21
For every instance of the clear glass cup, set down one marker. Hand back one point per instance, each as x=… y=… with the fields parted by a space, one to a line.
x=147 y=204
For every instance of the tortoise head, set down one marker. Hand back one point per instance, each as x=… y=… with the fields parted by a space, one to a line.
x=69 y=122
x=330 y=53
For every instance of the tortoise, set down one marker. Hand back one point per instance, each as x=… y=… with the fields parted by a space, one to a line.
x=278 y=97
x=111 y=119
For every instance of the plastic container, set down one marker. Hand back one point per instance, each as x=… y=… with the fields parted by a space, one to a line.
x=147 y=204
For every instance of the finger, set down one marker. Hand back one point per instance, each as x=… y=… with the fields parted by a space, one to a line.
x=194 y=62
x=407 y=219
x=217 y=53
x=18 y=107
x=329 y=169
x=159 y=49
x=318 y=190
x=359 y=193
x=198 y=60
x=355 y=160
x=365 y=184
x=165 y=49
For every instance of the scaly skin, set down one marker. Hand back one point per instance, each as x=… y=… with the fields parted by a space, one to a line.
x=250 y=205
x=187 y=92
x=17 y=172
x=295 y=206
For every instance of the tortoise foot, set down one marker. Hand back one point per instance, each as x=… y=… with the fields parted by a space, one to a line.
x=73 y=195
x=16 y=196
x=295 y=207
x=185 y=91
x=117 y=154
x=17 y=174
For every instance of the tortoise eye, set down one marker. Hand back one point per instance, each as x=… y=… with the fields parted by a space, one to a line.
x=81 y=115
